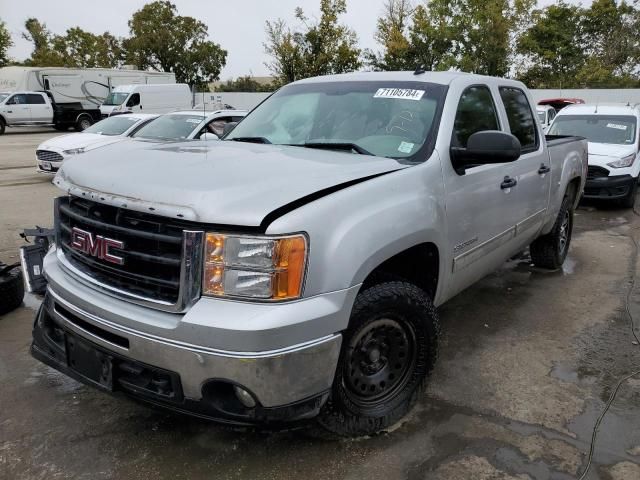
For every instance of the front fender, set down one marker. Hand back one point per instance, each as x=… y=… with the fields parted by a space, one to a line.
x=354 y=230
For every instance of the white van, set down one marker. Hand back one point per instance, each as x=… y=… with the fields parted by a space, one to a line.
x=156 y=99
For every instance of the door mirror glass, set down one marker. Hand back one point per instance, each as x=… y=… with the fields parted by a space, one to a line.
x=486 y=147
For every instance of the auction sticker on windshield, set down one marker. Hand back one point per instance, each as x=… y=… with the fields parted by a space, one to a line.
x=401 y=93
x=616 y=126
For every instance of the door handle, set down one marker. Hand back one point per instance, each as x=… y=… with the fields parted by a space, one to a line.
x=9 y=111
x=508 y=182
x=543 y=169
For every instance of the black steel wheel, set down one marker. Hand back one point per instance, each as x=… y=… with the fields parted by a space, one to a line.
x=387 y=354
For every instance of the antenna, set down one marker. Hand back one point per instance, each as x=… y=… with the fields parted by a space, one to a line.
x=419 y=69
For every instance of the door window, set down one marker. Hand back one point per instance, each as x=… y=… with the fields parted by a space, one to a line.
x=19 y=99
x=133 y=100
x=217 y=126
x=35 y=99
x=521 y=119
x=476 y=113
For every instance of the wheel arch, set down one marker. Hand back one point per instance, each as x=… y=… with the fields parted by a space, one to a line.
x=419 y=264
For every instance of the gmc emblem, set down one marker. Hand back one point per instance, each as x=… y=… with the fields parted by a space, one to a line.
x=97 y=246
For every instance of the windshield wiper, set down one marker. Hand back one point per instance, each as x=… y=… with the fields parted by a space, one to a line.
x=338 y=146
x=251 y=140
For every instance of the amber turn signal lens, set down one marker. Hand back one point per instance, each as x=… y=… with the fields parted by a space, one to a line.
x=290 y=265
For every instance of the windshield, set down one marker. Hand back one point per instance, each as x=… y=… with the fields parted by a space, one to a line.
x=542 y=116
x=170 y=127
x=388 y=119
x=116 y=98
x=616 y=129
x=3 y=96
x=113 y=125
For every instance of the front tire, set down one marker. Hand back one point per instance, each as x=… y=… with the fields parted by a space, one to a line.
x=2 y=126
x=11 y=288
x=550 y=250
x=388 y=352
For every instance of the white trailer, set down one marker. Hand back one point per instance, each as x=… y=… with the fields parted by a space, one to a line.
x=88 y=86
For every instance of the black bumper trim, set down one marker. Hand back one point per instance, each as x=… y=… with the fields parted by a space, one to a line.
x=217 y=403
x=609 y=188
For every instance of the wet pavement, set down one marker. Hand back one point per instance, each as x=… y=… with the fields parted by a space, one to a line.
x=528 y=361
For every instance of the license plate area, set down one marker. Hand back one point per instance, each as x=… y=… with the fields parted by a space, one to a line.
x=90 y=362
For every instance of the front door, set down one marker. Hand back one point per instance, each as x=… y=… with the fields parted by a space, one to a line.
x=16 y=110
x=479 y=210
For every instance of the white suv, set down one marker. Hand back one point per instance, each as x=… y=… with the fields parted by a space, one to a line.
x=612 y=131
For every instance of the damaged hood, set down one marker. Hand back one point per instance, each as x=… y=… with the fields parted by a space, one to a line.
x=226 y=183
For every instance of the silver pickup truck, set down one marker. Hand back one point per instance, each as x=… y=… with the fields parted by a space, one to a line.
x=293 y=270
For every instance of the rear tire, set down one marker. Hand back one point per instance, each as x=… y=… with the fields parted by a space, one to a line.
x=387 y=354
x=629 y=200
x=83 y=123
x=11 y=288
x=550 y=250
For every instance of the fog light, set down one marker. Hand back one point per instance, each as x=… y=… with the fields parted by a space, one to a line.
x=245 y=397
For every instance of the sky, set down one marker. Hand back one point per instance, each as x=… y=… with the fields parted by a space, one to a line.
x=237 y=25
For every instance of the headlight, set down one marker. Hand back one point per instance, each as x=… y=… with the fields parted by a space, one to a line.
x=623 y=162
x=73 y=151
x=263 y=268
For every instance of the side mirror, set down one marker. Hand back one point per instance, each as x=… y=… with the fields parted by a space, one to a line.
x=489 y=146
x=209 y=136
x=228 y=127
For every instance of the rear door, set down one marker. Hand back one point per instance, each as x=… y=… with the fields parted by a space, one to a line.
x=480 y=218
x=16 y=109
x=531 y=170
x=40 y=108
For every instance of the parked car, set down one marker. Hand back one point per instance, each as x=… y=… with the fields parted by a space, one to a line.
x=190 y=125
x=546 y=114
x=293 y=269
x=156 y=99
x=52 y=152
x=560 y=103
x=24 y=109
x=612 y=131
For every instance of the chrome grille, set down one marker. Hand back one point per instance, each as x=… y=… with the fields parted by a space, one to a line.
x=48 y=156
x=160 y=266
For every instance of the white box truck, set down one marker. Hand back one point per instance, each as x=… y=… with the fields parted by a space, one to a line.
x=147 y=99
x=75 y=95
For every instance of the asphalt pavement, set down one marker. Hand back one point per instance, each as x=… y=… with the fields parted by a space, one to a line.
x=529 y=360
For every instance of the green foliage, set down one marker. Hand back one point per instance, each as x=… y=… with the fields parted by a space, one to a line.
x=5 y=43
x=165 y=41
x=569 y=46
x=244 y=84
x=76 y=49
x=320 y=48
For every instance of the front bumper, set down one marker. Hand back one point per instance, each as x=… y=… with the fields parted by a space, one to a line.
x=288 y=385
x=609 y=188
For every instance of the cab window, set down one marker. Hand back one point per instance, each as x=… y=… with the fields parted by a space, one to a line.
x=476 y=113
x=134 y=100
x=18 y=99
x=521 y=120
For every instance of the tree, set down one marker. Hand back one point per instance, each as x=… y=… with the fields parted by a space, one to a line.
x=392 y=33
x=5 y=43
x=552 y=48
x=165 y=41
x=244 y=84
x=82 y=49
x=435 y=35
x=320 y=48
x=43 y=54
